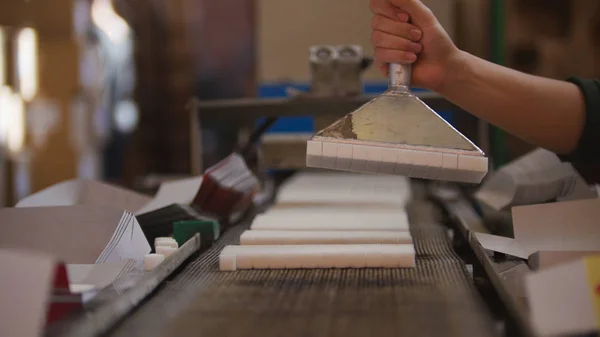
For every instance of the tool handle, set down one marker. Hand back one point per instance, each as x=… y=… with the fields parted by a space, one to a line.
x=399 y=77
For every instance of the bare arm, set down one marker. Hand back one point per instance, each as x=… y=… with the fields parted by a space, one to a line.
x=544 y=112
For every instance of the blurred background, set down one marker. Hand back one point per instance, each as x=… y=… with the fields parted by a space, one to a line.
x=103 y=89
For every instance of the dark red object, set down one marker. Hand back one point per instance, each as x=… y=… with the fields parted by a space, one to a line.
x=59 y=309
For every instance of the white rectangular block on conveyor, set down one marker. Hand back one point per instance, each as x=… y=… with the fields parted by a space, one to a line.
x=317 y=256
x=331 y=222
x=337 y=210
x=266 y=237
x=345 y=195
x=344 y=188
x=308 y=177
x=349 y=193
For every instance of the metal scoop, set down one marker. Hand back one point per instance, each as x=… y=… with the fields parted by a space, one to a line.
x=396 y=133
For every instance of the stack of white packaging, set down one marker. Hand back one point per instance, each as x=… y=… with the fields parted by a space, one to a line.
x=324 y=220
x=534 y=178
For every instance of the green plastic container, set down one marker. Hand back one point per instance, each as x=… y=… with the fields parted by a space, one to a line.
x=184 y=230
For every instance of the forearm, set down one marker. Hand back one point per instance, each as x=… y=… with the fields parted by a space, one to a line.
x=547 y=113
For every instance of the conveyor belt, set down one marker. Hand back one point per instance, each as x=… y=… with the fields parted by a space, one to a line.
x=435 y=299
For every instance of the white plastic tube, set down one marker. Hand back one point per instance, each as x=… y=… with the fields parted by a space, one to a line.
x=317 y=256
x=267 y=237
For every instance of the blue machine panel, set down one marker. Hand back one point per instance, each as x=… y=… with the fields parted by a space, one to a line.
x=306 y=123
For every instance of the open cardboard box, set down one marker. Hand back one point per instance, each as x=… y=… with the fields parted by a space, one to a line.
x=561 y=226
x=561 y=240
x=74 y=234
x=35 y=292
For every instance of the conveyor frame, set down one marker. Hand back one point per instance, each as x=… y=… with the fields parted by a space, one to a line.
x=457 y=209
x=180 y=291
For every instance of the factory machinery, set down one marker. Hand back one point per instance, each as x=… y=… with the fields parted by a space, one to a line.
x=456 y=288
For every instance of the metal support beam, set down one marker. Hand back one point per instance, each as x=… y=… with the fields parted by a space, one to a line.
x=249 y=109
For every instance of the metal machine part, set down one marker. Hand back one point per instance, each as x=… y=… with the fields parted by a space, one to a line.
x=251 y=108
x=399 y=123
x=336 y=71
x=349 y=69
x=323 y=66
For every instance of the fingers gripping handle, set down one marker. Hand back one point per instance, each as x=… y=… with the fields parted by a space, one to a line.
x=399 y=77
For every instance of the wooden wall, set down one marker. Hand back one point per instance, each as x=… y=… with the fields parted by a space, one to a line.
x=555 y=39
x=185 y=48
x=58 y=79
x=287 y=28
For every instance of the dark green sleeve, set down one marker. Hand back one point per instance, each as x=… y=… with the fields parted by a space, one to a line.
x=588 y=149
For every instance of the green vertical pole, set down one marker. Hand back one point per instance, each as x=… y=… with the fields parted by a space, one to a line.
x=498 y=16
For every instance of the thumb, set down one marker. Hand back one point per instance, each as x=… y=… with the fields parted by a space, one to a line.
x=420 y=14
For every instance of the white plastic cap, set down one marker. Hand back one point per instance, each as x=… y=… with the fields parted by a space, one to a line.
x=165 y=250
x=165 y=241
x=168 y=244
x=152 y=260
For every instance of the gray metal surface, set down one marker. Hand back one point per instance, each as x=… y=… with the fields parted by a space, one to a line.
x=435 y=299
x=399 y=76
x=251 y=109
x=399 y=117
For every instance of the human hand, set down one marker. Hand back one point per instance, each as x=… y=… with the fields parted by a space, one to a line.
x=407 y=32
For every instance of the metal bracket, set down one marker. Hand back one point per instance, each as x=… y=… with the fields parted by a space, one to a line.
x=336 y=70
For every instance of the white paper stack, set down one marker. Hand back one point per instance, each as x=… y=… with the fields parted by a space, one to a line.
x=536 y=177
x=74 y=234
x=329 y=221
x=99 y=275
